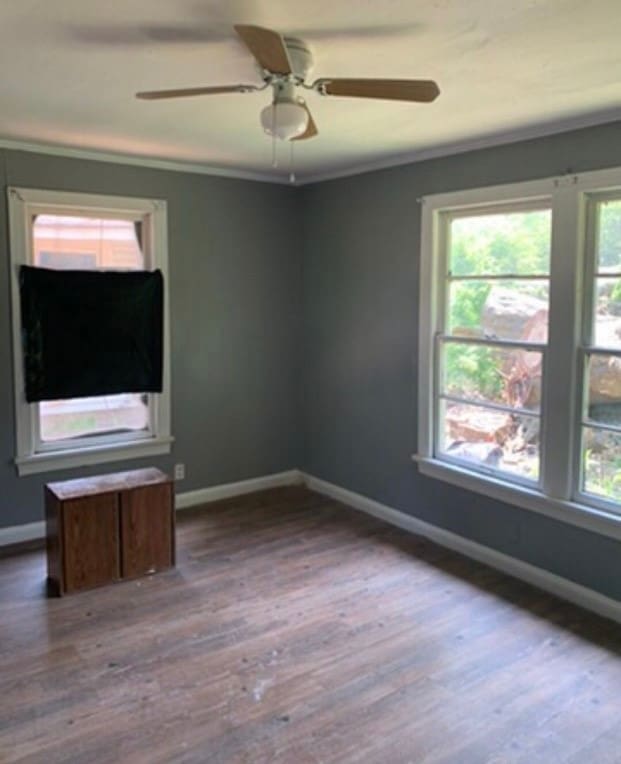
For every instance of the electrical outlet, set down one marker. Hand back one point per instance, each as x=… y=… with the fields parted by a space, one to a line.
x=179 y=471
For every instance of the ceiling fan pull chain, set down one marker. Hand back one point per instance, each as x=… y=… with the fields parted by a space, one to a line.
x=292 y=163
x=274 y=157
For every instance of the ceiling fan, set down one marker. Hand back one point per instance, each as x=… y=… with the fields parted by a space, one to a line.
x=284 y=63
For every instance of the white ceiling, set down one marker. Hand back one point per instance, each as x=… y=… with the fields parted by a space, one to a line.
x=506 y=68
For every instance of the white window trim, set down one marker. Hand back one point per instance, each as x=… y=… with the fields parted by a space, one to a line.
x=556 y=497
x=23 y=202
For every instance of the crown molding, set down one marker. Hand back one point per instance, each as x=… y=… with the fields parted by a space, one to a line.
x=530 y=132
x=137 y=161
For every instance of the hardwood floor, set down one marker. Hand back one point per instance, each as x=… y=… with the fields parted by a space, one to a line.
x=295 y=630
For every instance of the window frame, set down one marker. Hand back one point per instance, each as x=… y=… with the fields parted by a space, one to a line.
x=558 y=494
x=587 y=346
x=31 y=455
x=442 y=336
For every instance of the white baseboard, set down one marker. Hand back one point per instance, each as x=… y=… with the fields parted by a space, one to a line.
x=542 y=579
x=228 y=490
x=16 y=534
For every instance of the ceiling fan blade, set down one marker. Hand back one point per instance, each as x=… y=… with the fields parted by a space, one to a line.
x=154 y=95
x=422 y=91
x=267 y=47
x=311 y=129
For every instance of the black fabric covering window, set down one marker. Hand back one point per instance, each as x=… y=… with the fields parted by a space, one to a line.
x=91 y=332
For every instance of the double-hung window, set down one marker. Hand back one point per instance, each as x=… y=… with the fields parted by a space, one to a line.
x=520 y=344
x=69 y=231
x=599 y=466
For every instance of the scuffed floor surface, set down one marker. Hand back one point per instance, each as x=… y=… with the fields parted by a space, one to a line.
x=295 y=630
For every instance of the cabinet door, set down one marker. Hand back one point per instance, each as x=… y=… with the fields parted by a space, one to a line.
x=146 y=530
x=90 y=541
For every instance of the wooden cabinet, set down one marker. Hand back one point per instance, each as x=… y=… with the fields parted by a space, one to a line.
x=90 y=543
x=146 y=530
x=108 y=528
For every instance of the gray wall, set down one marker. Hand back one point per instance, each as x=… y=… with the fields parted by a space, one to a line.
x=360 y=324
x=294 y=335
x=234 y=291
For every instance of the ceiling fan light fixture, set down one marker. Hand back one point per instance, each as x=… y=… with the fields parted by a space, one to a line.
x=284 y=120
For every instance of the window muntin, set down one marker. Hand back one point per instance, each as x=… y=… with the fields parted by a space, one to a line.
x=492 y=336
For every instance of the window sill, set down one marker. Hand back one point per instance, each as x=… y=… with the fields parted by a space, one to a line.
x=589 y=518
x=81 y=457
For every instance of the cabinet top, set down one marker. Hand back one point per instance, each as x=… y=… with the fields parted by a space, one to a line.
x=117 y=481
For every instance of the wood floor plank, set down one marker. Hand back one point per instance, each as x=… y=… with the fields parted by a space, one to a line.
x=296 y=630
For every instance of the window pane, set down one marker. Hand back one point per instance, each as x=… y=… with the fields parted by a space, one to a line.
x=68 y=242
x=510 y=242
x=508 y=310
x=491 y=439
x=604 y=385
x=601 y=451
x=608 y=313
x=78 y=417
x=508 y=376
x=609 y=237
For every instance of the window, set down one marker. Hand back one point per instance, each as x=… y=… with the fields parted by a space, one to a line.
x=492 y=339
x=84 y=232
x=600 y=458
x=520 y=344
